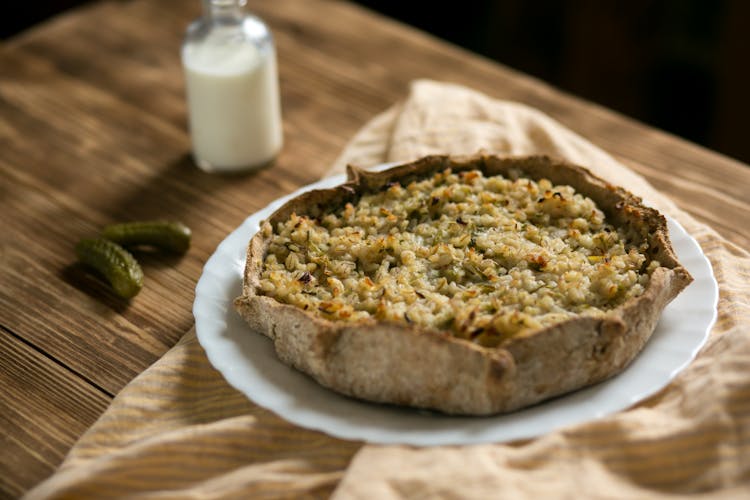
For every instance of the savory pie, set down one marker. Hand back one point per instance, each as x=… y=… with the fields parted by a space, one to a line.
x=470 y=285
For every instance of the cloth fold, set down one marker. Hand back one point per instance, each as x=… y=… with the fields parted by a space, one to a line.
x=179 y=431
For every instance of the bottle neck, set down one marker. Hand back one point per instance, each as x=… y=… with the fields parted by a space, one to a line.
x=224 y=10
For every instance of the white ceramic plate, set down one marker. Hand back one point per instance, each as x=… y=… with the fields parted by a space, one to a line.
x=248 y=362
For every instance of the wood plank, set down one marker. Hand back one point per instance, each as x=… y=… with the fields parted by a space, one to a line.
x=35 y=386
x=358 y=58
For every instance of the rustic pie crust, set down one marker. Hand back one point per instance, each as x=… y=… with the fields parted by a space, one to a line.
x=469 y=285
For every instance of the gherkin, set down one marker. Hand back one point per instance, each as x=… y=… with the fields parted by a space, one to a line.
x=115 y=263
x=164 y=235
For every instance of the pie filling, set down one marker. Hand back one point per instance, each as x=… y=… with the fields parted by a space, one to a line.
x=486 y=258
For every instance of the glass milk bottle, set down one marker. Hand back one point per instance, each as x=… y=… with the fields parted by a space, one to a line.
x=232 y=89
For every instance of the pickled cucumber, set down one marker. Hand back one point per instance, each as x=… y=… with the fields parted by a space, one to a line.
x=164 y=235
x=115 y=263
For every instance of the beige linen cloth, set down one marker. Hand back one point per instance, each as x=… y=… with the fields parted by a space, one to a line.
x=179 y=431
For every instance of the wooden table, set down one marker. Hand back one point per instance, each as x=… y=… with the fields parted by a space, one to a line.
x=92 y=131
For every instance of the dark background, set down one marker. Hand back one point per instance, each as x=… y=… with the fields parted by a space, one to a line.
x=680 y=65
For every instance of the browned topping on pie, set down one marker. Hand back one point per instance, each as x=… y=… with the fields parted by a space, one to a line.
x=485 y=257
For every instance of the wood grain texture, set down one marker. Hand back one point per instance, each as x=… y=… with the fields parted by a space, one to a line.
x=59 y=405
x=92 y=131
